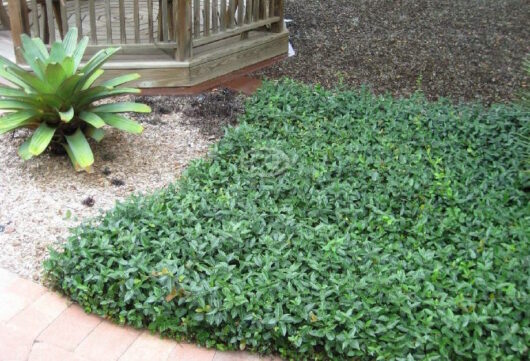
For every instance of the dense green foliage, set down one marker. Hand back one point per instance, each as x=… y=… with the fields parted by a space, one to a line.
x=328 y=225
x=56 y=98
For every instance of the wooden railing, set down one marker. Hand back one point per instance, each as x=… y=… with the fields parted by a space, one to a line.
x=176 y=26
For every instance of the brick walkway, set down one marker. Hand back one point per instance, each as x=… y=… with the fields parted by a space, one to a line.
x=39 y=325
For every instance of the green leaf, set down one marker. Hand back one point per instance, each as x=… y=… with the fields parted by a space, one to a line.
x=80 y=149
x=79 y=52
x=5 y=72
x=55 y=75
x=12 y=92
x=97 y=93
x=122 y=108
x=68 y=66
x=23 y=150
x=32 y=53
x=121 y=80
x=67 y=89
x=30 y=80
x=41 y=138
x=57 y=53
x=16 y=120
x=14 y=105
x=92 y=119
x=67 y=116
x=92 y=79
x=97 y=61
x=122 y=123
x=70 y=41
x=70 y=154
x=95 y=133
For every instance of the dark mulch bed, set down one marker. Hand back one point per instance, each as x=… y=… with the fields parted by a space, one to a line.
x=210 y=112
x=462 y=49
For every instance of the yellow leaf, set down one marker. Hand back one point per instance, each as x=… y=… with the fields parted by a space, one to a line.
x=172 y=295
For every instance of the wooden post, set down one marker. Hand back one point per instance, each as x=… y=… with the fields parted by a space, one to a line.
x=15 y=21
x=183 y=28
x=278 y=11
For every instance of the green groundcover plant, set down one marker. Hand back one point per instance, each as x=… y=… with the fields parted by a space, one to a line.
x=328 y=225
x=57 y=98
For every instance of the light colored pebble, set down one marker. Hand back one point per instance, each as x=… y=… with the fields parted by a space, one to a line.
x=41 y=198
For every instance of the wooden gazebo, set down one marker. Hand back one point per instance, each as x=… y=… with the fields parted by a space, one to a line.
x=171 y=43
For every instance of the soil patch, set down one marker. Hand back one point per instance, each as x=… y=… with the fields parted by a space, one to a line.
x=463 y=49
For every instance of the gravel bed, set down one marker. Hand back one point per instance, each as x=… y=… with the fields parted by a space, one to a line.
x=42 y=198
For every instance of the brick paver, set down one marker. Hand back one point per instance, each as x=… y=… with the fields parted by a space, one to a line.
x=39 y=325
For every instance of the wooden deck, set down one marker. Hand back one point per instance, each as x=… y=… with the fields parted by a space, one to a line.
x=201 y=39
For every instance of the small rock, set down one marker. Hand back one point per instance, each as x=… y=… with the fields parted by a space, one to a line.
x=164 y=109
x=89 y=201
x=9 y=229
x=108 y=157
x=106 y=171
x=2 y=227
x=117 y=182
x=36 y=277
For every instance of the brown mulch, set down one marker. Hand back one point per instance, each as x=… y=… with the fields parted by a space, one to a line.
x=461 y=49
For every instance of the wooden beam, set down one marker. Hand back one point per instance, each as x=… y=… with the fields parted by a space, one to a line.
x=232 y=32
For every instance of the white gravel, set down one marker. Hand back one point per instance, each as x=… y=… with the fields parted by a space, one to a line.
x=41 y=198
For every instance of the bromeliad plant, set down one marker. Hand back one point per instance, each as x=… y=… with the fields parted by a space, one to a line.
x=58 y=97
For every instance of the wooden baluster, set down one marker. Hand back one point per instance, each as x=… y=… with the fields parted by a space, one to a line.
x=240 y=12
x=136 y=14
x=92 y=15
x=262 y=9
x=108 y=20
x=78 y=23
x=184 y=36
x=278 y=27
x=50 y=22
x=63 y=28
x=196 y=18
x=222 y=15
x=206 y=17
x=255 y=11
x=35 y=18
x=164 y=18
x=123 y=35
x=248 y=8
x=231 y=13
x=215 y=16
x=150 y=26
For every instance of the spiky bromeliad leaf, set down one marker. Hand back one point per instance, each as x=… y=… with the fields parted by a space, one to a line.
x=122 y=108
x=16 y=120
x=41 y=138
x=121 y=123
x=121 y=80
x=80 y=149
x=23 y=150
x=56 y=98
x=92 y=119
x=67 y=115
x=95 y=133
